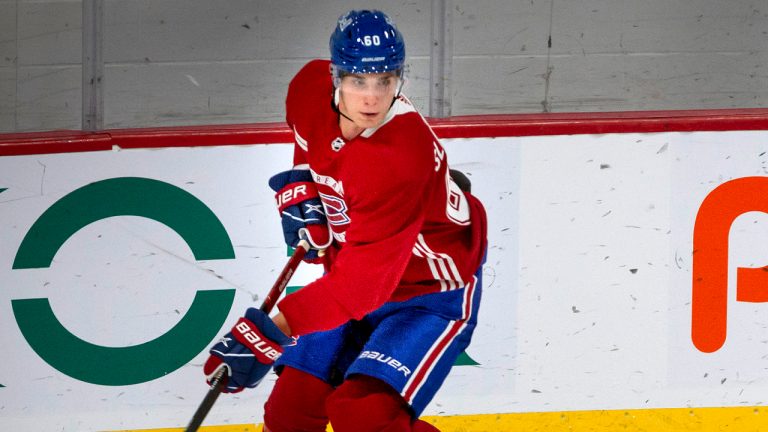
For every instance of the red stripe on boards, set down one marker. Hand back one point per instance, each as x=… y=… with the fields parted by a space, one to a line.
x=480 y=126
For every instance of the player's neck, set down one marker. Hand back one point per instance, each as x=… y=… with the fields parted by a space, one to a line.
x=349 y=130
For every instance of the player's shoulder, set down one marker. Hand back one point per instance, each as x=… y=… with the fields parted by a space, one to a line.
x=408 y=138
x=309 y=90
x=313 y=78
x=405 y=123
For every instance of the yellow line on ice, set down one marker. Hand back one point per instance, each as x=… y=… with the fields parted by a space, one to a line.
x=741 y=419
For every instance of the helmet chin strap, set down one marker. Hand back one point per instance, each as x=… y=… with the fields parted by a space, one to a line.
x=335 y=103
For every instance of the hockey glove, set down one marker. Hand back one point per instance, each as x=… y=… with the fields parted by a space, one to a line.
x=247 y=351
x=301 y=211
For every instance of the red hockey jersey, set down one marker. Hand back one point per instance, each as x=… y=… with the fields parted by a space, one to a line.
x=401 y=226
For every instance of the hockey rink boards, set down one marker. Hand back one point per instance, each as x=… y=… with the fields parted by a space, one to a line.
x=120 y=266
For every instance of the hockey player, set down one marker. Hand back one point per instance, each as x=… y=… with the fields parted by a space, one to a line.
x=378 y=333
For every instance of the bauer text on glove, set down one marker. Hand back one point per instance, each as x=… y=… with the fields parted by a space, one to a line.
x=247 y=351
x=301 y=210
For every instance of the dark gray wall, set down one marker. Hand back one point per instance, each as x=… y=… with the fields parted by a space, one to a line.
x=181 y=62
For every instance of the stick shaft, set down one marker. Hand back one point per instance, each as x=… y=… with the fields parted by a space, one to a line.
x=285 y=276
x=217 y=383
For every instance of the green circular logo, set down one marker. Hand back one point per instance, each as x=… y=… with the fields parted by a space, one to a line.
x=179 y=210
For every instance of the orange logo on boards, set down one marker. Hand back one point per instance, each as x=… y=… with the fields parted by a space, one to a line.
x=710 y=259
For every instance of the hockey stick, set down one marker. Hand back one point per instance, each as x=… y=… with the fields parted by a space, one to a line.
x=218 y=381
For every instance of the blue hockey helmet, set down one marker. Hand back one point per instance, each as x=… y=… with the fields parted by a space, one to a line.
x=367 y=41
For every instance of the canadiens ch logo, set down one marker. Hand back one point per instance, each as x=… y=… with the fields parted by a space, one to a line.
x=335 y=209
x=337 y=144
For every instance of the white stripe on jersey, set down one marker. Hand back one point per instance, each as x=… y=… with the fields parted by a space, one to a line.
x=441 y=265
x=432 y=268
x=299 y=140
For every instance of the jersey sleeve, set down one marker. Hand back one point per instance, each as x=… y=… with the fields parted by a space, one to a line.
x=299 y=150
x=386 y=216
x=300 y=106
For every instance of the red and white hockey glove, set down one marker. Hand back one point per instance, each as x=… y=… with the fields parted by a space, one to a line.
x=247 y=351
x=301 y=211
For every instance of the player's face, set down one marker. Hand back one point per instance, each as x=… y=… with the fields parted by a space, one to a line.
x=366 y=98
